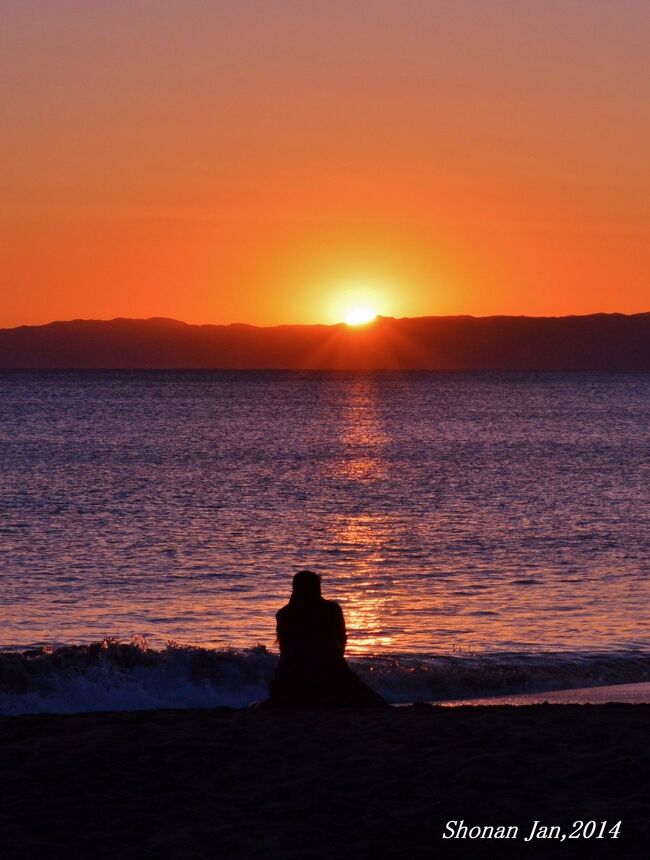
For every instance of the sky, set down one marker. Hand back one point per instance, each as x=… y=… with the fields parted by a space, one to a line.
x=284 y=162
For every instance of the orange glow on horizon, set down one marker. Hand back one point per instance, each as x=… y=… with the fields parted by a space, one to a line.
x=291 y=165
x=359 y=303
x=360 y=316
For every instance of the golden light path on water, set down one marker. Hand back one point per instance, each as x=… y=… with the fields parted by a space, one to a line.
x=440 y=514
x=365 y=535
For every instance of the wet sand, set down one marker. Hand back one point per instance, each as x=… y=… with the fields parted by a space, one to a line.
x=633 y=694
x=322 y=784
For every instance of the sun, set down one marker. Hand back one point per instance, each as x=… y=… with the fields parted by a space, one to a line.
x=360 y=316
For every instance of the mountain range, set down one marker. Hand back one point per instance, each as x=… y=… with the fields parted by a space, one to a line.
x=598 y=342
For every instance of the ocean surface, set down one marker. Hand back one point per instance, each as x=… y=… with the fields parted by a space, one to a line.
x=482 y=532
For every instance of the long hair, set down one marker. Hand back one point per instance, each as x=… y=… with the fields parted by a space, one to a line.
x=306 y=587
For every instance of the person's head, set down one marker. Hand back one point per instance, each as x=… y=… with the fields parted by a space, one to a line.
x=306 y=586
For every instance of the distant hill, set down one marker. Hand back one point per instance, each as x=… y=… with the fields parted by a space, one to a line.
x=589 y=343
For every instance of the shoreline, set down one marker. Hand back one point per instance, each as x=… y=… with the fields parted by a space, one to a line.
x=322 y=783
x=129 y=676
x=600 y=694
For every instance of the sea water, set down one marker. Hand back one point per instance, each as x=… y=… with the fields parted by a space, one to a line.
x=479 y=530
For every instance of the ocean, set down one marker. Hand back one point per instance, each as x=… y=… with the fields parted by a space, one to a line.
x=483 y=532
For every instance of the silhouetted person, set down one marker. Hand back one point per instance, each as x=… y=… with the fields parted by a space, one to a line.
x=312 y=669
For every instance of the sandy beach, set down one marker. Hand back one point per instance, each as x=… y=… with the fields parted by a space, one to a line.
x=314 y=783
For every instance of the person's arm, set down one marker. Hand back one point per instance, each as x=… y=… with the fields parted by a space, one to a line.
x=341 y=631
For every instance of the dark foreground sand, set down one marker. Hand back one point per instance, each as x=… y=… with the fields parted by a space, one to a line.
x=348 y=783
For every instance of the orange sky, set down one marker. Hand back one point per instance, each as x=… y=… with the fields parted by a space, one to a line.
x=274 y=162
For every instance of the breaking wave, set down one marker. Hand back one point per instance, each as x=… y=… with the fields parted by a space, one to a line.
x=119 y=676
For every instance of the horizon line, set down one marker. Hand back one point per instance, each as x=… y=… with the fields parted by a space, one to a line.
x=379 y=318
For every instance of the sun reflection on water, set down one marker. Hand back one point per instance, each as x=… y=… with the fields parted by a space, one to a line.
x=362 y=585
x=363 y=537
x=362 y=434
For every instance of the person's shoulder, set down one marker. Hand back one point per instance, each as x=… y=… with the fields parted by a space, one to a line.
x=334 y=607
x=281 y=613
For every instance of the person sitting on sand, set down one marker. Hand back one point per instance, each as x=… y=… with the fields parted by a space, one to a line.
x=312 y=669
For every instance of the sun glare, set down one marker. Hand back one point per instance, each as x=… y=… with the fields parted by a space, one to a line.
x=360 y=316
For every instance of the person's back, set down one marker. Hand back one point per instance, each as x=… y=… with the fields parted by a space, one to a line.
x=313 y=631
x=312 y=638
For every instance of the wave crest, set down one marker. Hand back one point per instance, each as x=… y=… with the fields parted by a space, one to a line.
x=123 y=676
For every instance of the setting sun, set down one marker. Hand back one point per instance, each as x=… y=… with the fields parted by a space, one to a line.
x=360 y=316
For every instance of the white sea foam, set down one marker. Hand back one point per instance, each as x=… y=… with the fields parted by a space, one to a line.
x=113 y=676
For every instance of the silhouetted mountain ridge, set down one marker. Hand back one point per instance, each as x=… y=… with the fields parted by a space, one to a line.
x=598 y=342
